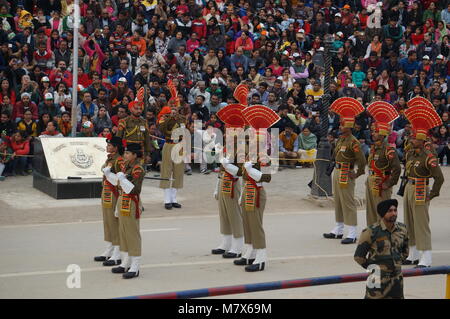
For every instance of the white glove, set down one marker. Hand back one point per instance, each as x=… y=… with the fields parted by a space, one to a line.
x=240 y=199
x=224 y=161
x=248 y=165
x=116 y=212
x=232 y=169
x=126 y=185
x=216 y=191
x=111 y=177
x=254 y=174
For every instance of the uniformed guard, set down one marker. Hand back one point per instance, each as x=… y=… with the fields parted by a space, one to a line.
x=168 y=120
x=134 y=128
x=346 y=153
x=384 y=165
x=253 y=196
x=421 y=165
x=382 y=248
x=228 y=190
x=110 y=194
x=129 y=211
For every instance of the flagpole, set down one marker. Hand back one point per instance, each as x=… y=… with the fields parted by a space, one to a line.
x=76 y=25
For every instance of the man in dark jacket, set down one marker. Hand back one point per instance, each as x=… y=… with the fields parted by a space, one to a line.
x=216 y=40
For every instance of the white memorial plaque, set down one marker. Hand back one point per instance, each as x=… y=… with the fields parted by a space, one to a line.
x=74 y=157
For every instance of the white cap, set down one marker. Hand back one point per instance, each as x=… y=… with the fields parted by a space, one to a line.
x=296 y=54
x=25 y=94
x=48 y=96
x=301 y=31
x=214 y=81
x=122 y=79
x=321 y=49
x=45 y=79
x=340 y=34
x=338 y=15
x=425 y=57
x=440 y=56
x=286 y=52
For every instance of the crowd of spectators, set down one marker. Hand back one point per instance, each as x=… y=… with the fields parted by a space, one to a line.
x=382 y=51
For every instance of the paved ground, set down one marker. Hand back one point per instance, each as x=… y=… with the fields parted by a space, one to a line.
x=40 y=237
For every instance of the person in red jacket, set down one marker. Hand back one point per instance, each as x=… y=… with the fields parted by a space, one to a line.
x=199 y=26
x=20 y=146
x=24 y=104
x=245 y=42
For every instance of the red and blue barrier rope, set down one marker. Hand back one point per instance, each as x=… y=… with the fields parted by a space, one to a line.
x=284 y=284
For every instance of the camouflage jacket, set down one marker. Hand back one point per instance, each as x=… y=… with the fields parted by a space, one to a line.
x=383 y=247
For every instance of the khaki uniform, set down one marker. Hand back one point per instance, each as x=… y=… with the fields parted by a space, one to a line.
x=228 y=198
x=135 y=130
x=170 y=169
x=387 y=249
x=420 y=166
x=130 y=210
x=110 y=195
x=384 y=168
x=252 y=205
x=346 y=153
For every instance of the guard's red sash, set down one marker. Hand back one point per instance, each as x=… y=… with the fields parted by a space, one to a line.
x=228 y=184
x=251 y=193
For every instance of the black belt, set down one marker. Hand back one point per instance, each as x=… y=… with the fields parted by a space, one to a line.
x=386 y=173
x=413 y=181
x=338 y=166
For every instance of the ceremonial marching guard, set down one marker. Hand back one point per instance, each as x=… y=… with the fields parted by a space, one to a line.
x=253 y=196
x=347 y=153
x=383 y=162
x=384 y=245
x=228 y=189
x=421 y=165
x=134 y=129
x=110 y=194
x=129 y=211
x=169 y=120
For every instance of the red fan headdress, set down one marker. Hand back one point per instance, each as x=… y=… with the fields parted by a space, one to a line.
x=383 y=114
x=165 y=110
x=241 y=93
x=232 y=115
x=134 y=104
x=173 y=93
x=347 y=108
x=422 y=119
x=419 y=101
x=260 y=117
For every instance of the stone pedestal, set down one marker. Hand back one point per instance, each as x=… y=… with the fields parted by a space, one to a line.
x=73 y=186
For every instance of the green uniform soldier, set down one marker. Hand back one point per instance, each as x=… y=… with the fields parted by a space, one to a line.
x=168 y=121
x=382 y=247
x=421 y=165
x=110 y=194
x=129 y=210
x=134 y=129
x=383 y=162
